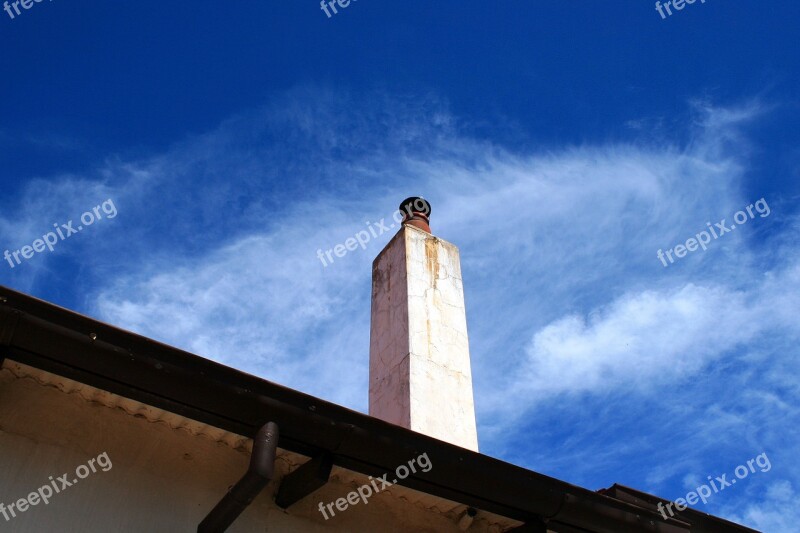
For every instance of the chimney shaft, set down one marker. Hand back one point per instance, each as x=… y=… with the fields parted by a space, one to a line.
x=420 y=375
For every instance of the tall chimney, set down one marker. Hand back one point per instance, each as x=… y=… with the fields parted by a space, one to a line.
x=419 y=369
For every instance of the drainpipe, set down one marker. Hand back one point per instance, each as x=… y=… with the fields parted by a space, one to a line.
x=258 y=475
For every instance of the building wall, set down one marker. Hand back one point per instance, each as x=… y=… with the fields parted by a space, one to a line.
x=165 y=475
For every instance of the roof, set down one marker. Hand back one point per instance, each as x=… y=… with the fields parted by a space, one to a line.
x=65 y=343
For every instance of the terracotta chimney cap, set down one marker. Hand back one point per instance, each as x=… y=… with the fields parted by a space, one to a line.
x=416 y=212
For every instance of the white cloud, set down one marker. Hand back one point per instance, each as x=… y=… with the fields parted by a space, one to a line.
x=776 y=512
x=649 y=337
x=639 y=338
x=214 y=251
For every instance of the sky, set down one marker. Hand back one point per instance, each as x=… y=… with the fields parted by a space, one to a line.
x=213 y=149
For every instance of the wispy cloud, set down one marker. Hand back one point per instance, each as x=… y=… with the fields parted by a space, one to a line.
x=565 y=295
x=776 y=510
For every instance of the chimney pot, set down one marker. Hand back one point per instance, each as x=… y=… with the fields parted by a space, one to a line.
x=416 y=212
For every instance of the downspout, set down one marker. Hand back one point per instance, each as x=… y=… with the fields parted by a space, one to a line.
x=258 y=475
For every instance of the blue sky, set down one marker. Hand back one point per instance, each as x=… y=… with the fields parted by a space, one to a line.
x=561 y=146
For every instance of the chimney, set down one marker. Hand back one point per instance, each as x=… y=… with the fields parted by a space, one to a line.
x=419 y=369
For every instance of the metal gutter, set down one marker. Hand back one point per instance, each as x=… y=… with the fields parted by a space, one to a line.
x=700 y=522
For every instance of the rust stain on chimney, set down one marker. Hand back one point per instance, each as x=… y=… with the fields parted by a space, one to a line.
x=432 y=259
x=432 y=265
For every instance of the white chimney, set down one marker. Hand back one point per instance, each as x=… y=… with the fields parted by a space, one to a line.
x=419 y=368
